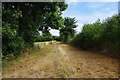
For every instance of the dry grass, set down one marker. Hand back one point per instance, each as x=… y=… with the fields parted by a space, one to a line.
x=35 y=53
x=61 y=60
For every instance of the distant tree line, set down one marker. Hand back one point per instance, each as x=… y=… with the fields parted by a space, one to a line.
x=67 y=32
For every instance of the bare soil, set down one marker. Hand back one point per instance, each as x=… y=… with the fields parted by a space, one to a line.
x=63 y=61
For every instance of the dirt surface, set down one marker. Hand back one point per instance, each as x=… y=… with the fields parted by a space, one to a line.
x=64 y=61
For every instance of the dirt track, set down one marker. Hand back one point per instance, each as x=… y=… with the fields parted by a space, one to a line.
x=64 y=61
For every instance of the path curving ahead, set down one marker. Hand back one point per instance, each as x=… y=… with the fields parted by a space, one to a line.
x=64 y=61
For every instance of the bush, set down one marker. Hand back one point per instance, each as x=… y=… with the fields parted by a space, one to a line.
x=104 y=36
x=111 y=34
x=48 y=38
x=90 y=36
x=57 y=38
x=40 y=39
x=44 y=38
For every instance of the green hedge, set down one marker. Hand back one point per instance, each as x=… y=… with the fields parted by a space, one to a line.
x=104 y=36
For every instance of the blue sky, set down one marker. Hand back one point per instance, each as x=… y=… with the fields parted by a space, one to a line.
x=88 y=12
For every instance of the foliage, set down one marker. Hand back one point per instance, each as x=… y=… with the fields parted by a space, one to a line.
x=57 y=38
x=90 y=36
x=22 y=21
x=111 y=34
x=45 y=37
x=100 y=35
x=68 y=30
x=12 y=42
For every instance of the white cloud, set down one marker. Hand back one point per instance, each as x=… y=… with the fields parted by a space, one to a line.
x=54 y=32
x=96 y=5
x=69 y=1
x=79 y=28
x=85 y=19
x=72 y=2
x=108 y=9
x=90 y=18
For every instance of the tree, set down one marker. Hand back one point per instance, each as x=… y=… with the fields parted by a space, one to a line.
x=68 y=30
x=12 y=42
x=22 y=21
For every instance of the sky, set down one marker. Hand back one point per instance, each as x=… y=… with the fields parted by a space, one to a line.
x=88 y=12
